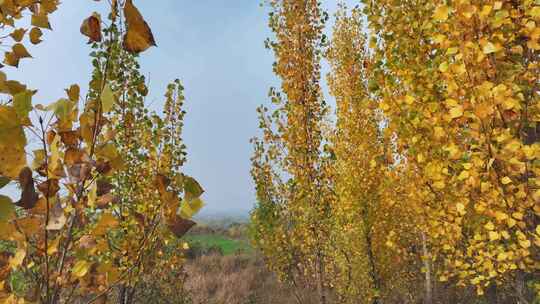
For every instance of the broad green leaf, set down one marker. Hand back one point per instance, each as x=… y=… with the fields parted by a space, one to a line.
x=12 y=143
x=4 y=181
x=192 y=188
x=191 y=208
x=7 y=208
x=107 y=99
x=23 y=103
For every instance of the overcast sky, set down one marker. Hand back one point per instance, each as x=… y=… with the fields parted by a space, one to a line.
x=215 y=47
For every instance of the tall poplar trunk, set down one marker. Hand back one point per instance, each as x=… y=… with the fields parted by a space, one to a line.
x=372 y=268
x=321 y=288
x=521 y=288
x=426 y=257
x=491 y=294
x=126 y=295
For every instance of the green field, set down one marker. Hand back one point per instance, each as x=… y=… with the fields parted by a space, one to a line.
x=227 y=245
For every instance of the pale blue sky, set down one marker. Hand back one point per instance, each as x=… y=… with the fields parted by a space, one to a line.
x=215 y=47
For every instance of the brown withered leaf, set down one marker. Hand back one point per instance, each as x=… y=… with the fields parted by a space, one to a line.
x=79 y=171
x=91 y=28
x=105 y=200
x=103 y=167
x=70 y=138
x=103 y=187
x=162 y=182
x=87 y=242
x=57 y=218
x=180 y=226
x=29 y=225
x=139 y=36
x=73 y=156
x=49 y=188
x=140 y=218
x=50 y=136
x=29 y=196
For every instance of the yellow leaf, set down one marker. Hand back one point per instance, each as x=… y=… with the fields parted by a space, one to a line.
x=17 y=259
x=18 y=34
x=441 y=13
x=517 y=215
x=463 y=175
x=439 y=38
x=80 y=269
x=41 y=20
x=456 y=112
x=443 y=67
x=535 y=12
x=53 y=247
x=460 y=208
x=20 y=51
x=35 y=35
x=489 y=48
x=483 y=110
x=439 y=132
x=500 y=216
x=489 y=226
x=506 y=180
x=139 y=36
x=107 y=99
x=409 y=99
x=439 y=185
x=452 y=51
x=525 y=243
x=510 y=222
x=74 y=92
x=493 y=236
x=55 y=154
x=11 y=59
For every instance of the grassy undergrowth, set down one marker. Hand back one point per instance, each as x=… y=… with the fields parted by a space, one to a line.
x=227 y=245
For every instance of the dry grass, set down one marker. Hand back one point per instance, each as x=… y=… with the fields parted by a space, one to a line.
x=234 y=279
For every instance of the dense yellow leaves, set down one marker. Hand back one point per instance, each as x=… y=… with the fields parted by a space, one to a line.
x=470 y=86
